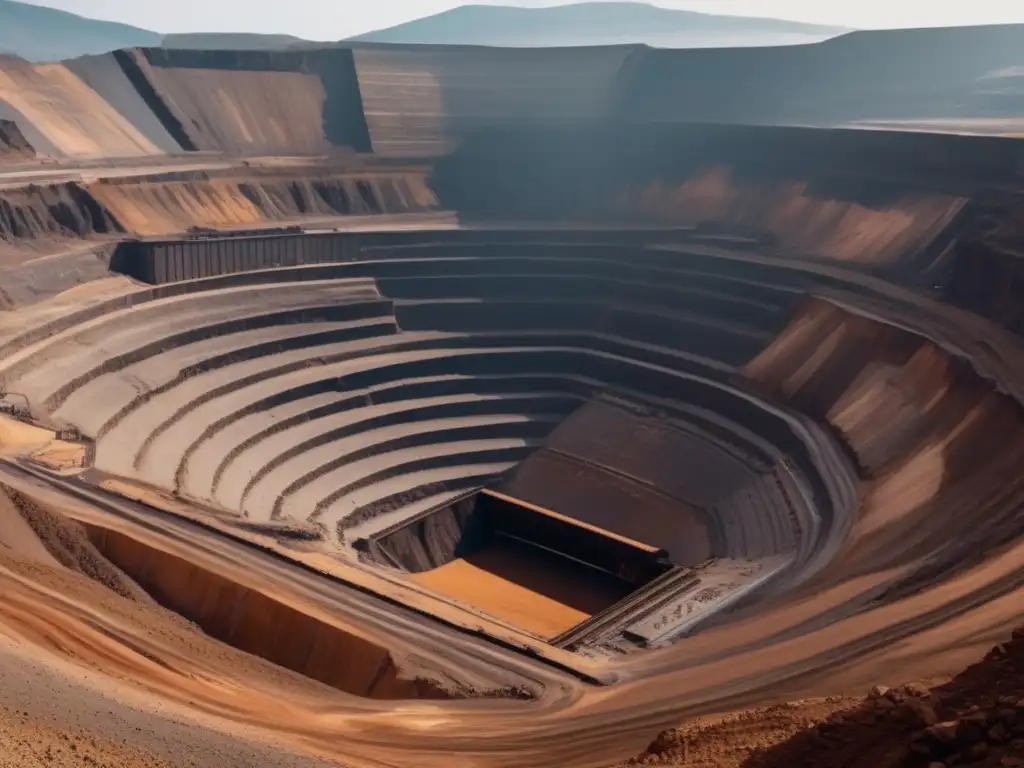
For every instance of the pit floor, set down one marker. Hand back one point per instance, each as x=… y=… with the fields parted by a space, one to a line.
x=531 y=588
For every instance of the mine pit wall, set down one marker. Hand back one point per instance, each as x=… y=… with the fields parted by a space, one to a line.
x=61 y=116
x=428 y=542
x=876 y=75
x=261 y=625
x=157 y=207
x=939 y=449
x=14 y=147
x=51 y=217
x=254 y=102
x=422 y=101
x=22 y=285
x=117 y=79
x=936 y=212
x=191 y=259
x=870 y=198
x=980 y=269
x=760 y=484
x=467 y=525
x=165 y=260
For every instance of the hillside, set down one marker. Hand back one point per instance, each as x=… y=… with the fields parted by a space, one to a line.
x=45 y=34
x=227 y=41
x=596 y=23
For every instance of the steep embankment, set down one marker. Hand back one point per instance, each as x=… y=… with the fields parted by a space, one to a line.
x=14 y=147
x=40 y=218
x=799 y=192
x=795 y=214
x=424 y=100
x=166 y=207
x=896 y=74
x=937 y=446
x=63 y=117
x=252 y=102
x=981 y=268
x=123 y=87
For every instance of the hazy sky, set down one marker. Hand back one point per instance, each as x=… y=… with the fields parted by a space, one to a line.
x=335 y=19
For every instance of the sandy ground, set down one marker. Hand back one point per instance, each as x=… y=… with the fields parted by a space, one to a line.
x=57 y=710
x=26 y=744
x=41 y=445
x=729 y=740
x=503 y=583
x=976 y=718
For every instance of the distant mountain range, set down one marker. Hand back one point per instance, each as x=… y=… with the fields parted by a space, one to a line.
x=233 y=41
x=44 y=34
x=596 y=23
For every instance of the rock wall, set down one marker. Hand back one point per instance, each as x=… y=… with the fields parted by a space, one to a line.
x=51 y=211
x=423 y=100
x=108 y=76
x=168 y=207
x=14 y=147
x=939 y=449
x=795 y=214
x=897 y=74
x=62 y=116
x=34 y=215
x=980 y=270
x=257 y=623
x=255 y=102
x=873 y=197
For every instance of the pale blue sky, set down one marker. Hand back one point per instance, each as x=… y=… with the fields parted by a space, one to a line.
x=335 y=19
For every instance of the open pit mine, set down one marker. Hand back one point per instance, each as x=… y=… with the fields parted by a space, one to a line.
x=498 y=408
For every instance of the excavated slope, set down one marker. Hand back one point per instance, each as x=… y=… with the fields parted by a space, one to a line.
x=253 y=102
x=108 y=76
x=167 y=207
x=797 y=304
x=346 y=398
x=14 y=147
x=951 y=74
x=796 y=215
x=420 y=101
x=936 y=445
x=913 y=206
x=925 y=573
x=48 y=218
x=62 y=116
x=423 y=100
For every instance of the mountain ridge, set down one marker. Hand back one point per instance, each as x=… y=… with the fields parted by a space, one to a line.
x=594 y=23
x=46 y=34
x=39 y=33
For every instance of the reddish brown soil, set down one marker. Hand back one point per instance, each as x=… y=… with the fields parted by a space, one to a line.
x=26 y=744
x=975 y=719
x=728 y=740
x=68 y=543
x=54 y=715
x=533 y=593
